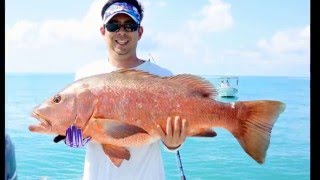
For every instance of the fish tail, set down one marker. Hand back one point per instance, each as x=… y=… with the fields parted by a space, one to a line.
x=256 y=119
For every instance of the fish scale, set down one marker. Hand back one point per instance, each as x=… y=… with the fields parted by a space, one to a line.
x=123 y=108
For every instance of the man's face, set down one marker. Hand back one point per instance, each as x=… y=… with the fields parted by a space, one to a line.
x=122 y=42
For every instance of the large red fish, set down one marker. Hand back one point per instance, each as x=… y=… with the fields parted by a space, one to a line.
x=122 y=109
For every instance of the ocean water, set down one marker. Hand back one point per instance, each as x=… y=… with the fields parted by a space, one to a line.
x=221 y=157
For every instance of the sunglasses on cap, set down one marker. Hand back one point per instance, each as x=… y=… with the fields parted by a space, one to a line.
x=128 y=27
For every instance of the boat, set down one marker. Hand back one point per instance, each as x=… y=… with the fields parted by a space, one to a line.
x=228 y=87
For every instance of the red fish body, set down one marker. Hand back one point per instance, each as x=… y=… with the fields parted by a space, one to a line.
x=122 y=109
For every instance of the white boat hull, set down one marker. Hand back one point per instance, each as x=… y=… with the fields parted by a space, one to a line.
x=227 y=91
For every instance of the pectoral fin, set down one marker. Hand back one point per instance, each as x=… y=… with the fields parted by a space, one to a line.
x=117 y=129
x=205 y=133
x=116 y=154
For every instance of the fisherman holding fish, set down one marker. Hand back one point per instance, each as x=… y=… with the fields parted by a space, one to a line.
x=121 y=30
x=119 y=108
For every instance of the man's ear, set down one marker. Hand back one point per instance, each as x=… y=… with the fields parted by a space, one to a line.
x=140 y=32
x=102 y=30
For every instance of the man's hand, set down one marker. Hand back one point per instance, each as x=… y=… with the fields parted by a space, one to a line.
x=175 y=133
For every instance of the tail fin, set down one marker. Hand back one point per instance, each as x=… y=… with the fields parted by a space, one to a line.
x=256 y=119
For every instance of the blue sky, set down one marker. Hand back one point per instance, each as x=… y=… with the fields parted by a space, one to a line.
x=204 y=37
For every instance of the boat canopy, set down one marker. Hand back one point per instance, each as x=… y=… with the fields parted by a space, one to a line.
x=230 y=78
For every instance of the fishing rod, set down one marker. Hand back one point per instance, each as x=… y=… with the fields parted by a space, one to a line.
x=150 y=57
x=183 y=177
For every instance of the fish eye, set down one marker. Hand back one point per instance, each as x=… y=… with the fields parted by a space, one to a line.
x=57 y=98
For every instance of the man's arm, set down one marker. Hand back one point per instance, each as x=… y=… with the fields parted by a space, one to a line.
x=175 y=133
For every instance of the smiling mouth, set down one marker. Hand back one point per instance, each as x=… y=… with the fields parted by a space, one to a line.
x=120 y=42
x=44 y=126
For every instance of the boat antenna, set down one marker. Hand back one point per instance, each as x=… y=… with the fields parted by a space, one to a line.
x=183 y=177
x=150 y=57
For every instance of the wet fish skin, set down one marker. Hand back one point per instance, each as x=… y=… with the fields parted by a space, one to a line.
x=122 y=109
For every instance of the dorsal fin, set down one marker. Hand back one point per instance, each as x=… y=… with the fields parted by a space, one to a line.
x=198 y=84
x=137 y=73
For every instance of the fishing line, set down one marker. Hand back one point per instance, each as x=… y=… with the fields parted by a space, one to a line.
x=183 y=177
x=150 y=57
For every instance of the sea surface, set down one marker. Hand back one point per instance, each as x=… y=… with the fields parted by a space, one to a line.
x=221 y=157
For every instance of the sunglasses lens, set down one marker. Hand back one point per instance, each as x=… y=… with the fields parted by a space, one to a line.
x=131 y=27
x=113 y=27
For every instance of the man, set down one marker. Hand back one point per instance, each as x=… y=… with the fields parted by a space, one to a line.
x=121 y=31
x=227 y=83
x=222 y=84
x=10 y=159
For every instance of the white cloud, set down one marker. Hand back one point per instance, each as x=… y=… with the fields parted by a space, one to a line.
x=28 y=34
x=147 y=4
x=244 y=53
x=62 y=45
x=20 y=34
x=286 y=53
x=213 y=17
x=58 y=45
x=288 y=46
x=288 y=41
x=191 y=48
x=189 y=39
x=177 y=41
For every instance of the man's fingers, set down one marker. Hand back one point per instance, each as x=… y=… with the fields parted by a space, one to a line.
x=169 y=127
x=177 y=125
x=160 y=131
x=184 y=129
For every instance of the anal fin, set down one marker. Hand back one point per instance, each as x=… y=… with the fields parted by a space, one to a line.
x=116 y=153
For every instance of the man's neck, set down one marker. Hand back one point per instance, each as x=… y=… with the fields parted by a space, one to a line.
x=125 y=62
x=130 y=62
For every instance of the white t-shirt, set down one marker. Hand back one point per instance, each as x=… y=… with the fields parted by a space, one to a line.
x=145 y=162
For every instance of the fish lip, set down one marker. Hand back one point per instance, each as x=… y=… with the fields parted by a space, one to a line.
x=43 y=122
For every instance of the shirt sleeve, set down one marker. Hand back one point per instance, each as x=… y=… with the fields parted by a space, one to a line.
x=77 y=75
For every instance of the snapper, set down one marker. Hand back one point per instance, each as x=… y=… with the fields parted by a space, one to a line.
x=122 y=109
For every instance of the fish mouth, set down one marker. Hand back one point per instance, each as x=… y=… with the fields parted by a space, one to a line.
x=44 y=126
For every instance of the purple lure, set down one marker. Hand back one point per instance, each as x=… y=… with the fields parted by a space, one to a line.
x=74 y=137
